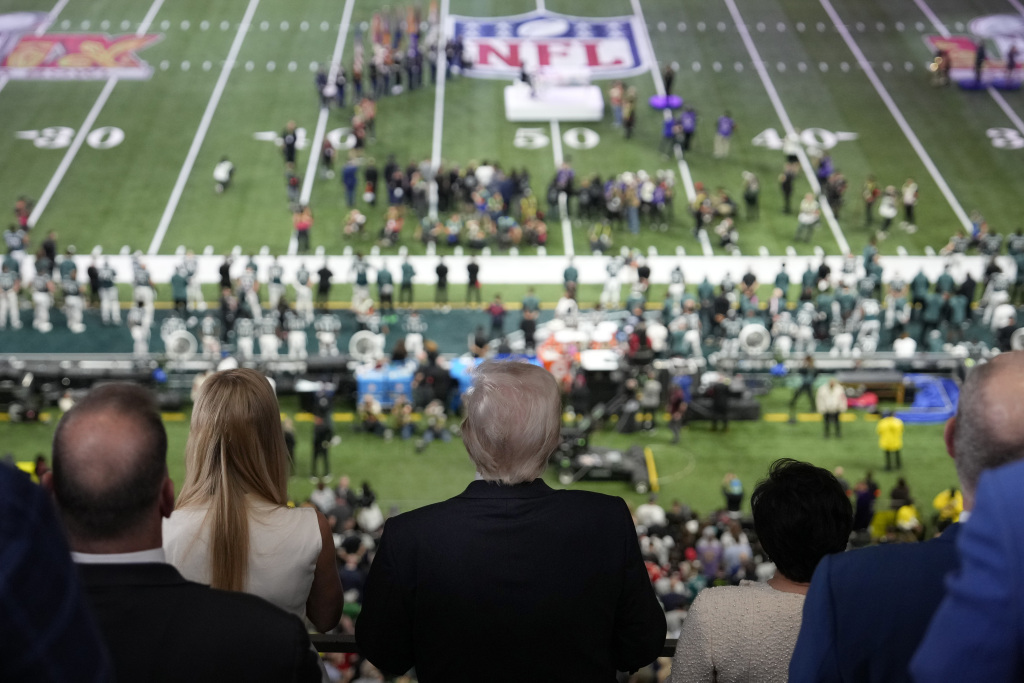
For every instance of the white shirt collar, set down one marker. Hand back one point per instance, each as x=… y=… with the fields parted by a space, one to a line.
x=140 y=557
x=964 y=515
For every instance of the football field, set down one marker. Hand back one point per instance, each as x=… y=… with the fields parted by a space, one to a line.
x=117 y=138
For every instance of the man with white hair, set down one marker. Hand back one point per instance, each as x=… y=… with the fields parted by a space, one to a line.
x=511 y=580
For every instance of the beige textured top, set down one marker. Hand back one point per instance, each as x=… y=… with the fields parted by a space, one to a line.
x=738 y=633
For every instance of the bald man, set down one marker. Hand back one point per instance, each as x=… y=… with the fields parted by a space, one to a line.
x=867 y=610
x=110 y=482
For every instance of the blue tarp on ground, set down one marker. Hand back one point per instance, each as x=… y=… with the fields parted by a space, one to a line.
x=935 y=399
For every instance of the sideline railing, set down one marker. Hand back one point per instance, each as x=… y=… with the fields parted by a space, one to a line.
x=346 y=642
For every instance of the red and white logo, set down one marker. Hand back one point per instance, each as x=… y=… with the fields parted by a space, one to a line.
x=74 y=56
x=500 y=47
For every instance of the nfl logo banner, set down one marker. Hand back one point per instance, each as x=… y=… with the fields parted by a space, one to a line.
x=500 y=47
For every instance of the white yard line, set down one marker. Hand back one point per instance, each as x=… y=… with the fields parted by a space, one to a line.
x=204 y=126
x=556 y=144
x=563 y=210
x=321 y=123
x=897 y=115
x=1019 y=7
x=51 y=17
x=69 y=156
x=659 y=85
x=1005 y=106
x=149 y=18
x=995 y=94
x=780 y=111
x=40 y=30
x=563 y=199
x=90 y=119
x=441 y=79
x=939 y=26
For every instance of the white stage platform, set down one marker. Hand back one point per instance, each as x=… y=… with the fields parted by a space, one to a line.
x=554 y=103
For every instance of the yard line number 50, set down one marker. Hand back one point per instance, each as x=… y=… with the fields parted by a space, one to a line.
x=536 y=138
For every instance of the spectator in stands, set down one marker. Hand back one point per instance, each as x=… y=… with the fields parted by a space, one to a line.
x=747 y=632
x=322 y=497
x=948 y=505
x=868 y=610
x=232 y=528
x=47 y=629
x=976 y=632
x=651 y=516
x=864 y=506
x=345 y=493
x=489 y=582
x=435 y=420
x=732 y=489
x=371 y=416
x=111 y=486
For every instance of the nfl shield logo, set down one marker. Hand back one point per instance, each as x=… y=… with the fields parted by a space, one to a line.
x=500 y=47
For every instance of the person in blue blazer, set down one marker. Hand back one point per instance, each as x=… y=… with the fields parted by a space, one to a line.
x=867 y=610
x=977 y=633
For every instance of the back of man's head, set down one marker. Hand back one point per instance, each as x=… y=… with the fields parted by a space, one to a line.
x=988 y=430
x=109 y=463
x=513 y=417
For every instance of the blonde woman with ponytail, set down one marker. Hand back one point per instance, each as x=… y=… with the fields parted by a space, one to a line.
x=231 y=527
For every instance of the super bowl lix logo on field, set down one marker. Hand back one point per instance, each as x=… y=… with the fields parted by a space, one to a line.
x=500 y=47
x=27 y=55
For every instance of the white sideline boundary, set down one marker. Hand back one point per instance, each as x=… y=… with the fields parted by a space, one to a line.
x=321 y=123
x=90 y=118
x=439 y=88
x=204 y=127
x=659 y=85
x=897 y=115
x=780 y=111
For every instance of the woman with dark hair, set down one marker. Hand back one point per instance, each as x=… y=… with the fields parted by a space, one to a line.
x=747 y=632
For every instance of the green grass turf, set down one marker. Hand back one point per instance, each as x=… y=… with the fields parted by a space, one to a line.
x=116 y=196
x=691 y=471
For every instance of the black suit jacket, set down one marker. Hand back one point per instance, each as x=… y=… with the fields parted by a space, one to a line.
x=160 y=627
x=511 y=583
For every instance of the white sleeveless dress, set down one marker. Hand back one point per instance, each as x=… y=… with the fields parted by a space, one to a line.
x=284 y=544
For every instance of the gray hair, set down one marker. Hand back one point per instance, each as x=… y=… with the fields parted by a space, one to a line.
x=989 y=428
x=513 y=418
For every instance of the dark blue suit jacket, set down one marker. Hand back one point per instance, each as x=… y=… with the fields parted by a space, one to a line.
x=867 y=610
x=978 y=632
x=47 y=632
